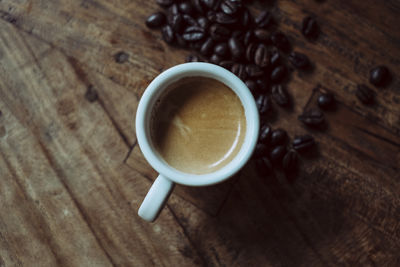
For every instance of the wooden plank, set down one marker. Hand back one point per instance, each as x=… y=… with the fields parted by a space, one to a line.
x=63 y=162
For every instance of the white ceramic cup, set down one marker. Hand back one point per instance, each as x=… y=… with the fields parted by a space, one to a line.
x=168 y=176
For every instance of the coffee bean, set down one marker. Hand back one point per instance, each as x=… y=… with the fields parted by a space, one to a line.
x=310 y=28
x=176 y=22
x=186 y=8
x=277 y=154
x=312 y=117
x=260 y=150
x=264 y=19
x=265 y=134
x=303 y=143
x=219 y=33
x=192 y=58
x=212 y=16
x=230 y=7
x=263 y=84
x=379 y=76
x=278 y=74
x=299 y=60
x=215 y=59
x=121 y=57
x=91 y=94
x=165 y=3
x=290 y=161
x=203 y=22
x=227 y=64
x=189 y=20
x=251 y=85
x=365 y=94
x=223 y=18
x=261 y=56
x=199 y=6
x=261 y=34
x=246 y=18
x=326 y=100
x=263 y=104
x=239 y=70
x=263 y=166
x=275 y=58
x=208 y=3
x=155 y=20
x=254 y=70
x=278 y=137
x=221 y=50
x=193 y=34
x=279 y=95
x=248 y=37
x=250 y=52
x=180 y=41
x=281 y=41
x=173 y=10
x=167 y=34
x=207 y=47
x=236 y=48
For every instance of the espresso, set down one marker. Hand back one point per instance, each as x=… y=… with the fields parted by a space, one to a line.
x=198 y=126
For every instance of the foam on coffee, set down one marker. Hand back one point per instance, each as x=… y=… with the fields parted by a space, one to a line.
x=198 y=125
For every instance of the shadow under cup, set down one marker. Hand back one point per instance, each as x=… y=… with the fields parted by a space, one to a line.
x=160 y=88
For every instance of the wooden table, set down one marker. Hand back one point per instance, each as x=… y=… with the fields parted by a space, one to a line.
x=72 y=176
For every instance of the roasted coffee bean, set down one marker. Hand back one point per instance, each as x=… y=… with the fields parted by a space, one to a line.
x=192 y=58
x=212 y=16
x=260 y=150
x=379 y=76
x=299 y=60
x=290 y=161
x=265 y=134
x=203 y=22
x=155 y=20
x=199 y=6
x=221 y=50
x=230 y=7
x=279 y=95
x=227 y=64
x=326 y=100
x=215 y=59
x=177 y=23
x=186 y=8
x=167 y=34
x=263 y=104
x=278 y=74
x=250 y=51
x=121 y=57
x=365 y=94
x=91 y=94
x=277 y=154
x=275 y=58
x=261 y=56
x=280 y=41
x=310 y=28
x=239 y=35
x=264 y=19
x=254 y=70
x=312 y=117
x=208 y=3
x=263 y=166
x=180 y=41
x=223 y=18
x=303 y=143
x=165 y=3
x=219 y=33
x=251 y=85
x=236 y=48
x=263 y=84
x=248 y=37
x=207 y=47
x=239 y=70
x=193 y=34
x=278 y=137
x=173 y=10
x=189 y=20
x=246 y=18
x=261 y=34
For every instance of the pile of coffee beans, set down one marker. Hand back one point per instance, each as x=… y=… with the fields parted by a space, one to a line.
x=227 y=34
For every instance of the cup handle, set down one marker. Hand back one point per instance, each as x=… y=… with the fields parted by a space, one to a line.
x=156 y=198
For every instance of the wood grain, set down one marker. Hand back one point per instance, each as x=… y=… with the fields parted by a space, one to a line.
x=72 y=175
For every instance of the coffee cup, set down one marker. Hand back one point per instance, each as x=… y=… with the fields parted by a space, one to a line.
x=197 y=124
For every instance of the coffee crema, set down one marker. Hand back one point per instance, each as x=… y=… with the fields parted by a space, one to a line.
x=198 y=126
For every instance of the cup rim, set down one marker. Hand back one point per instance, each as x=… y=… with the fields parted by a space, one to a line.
x=196 y=69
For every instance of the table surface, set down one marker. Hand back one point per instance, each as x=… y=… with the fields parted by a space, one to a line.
x=72 y=176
